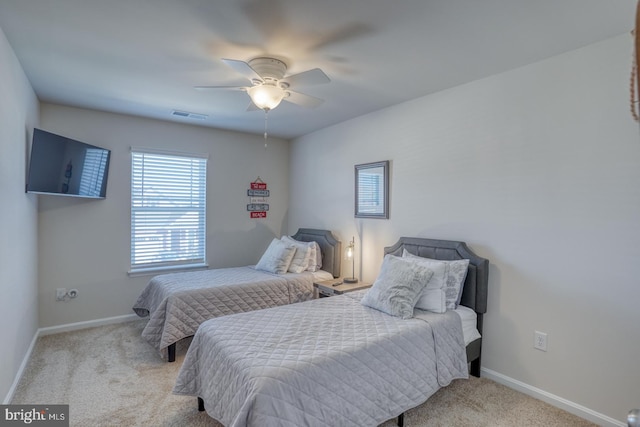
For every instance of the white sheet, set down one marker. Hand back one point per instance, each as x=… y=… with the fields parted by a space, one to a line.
x=321 y=275
x=469 y=323
x=318 y=276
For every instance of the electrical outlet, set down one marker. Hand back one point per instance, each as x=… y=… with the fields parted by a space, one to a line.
x=540 y=340
x=61 y=294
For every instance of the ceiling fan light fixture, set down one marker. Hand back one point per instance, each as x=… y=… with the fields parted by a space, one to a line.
x=266 y=96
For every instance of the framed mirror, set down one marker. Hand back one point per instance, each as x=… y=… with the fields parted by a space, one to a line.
x=372 y=190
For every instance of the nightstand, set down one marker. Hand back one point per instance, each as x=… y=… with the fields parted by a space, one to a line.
x=327 y=288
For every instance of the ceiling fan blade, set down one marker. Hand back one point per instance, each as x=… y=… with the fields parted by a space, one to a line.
x=268 y=17
x=347 y=33
x=243 y=68
x=310 y=77
x=303 y=99
x=243 y=88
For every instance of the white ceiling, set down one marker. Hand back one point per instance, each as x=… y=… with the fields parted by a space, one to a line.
x=143 y=57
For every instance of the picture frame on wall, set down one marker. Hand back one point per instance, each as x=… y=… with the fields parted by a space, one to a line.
x=372 y=190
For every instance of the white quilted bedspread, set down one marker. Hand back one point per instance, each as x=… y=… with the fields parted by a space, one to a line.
x=178 y=303
x=327 y=362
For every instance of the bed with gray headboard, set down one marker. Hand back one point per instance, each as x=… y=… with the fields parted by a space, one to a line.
x=178 y=303
x=476 y=284
x=337 y=360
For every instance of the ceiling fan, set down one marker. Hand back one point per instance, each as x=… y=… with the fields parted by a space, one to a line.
x=270 y=86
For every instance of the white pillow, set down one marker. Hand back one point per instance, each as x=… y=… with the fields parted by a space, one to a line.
x=300 y=260
x=433 y=297
x=315 y=256
x=433 y=300
x=277 y=257
x=456 y=272
x=315 y=262
x=397 y=287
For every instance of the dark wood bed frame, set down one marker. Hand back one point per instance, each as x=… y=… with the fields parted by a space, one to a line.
x=330 y=247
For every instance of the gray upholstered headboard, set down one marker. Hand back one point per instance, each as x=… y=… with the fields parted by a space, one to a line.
x=474 y=294
x=476 y=285
x=330 y=246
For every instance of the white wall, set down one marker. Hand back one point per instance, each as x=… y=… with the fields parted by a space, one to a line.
x=537 y=169
x=18 y=218
x=85 y=244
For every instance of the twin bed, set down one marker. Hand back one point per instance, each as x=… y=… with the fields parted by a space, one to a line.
x=334 y=361
x=178 y=303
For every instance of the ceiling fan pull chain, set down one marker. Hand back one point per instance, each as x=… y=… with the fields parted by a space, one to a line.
x=632 y=87
x=266 y=113
x=635 y=79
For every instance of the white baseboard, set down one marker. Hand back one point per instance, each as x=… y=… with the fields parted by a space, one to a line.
x=557 y=401
x=58 y=329
x=21 y=369
x=88 y=324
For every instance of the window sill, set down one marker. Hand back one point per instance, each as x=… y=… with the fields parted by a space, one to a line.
x=153 y=271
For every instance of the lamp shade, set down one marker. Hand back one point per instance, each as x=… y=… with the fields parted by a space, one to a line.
x=349 y=254
x=266 y=96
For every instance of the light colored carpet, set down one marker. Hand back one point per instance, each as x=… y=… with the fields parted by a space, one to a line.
x=110 y=377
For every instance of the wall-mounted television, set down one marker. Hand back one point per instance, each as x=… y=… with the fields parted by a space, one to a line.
x=63 y=166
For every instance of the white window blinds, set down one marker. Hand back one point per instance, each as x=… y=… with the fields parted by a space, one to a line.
x=370 y=192
x=168 y=200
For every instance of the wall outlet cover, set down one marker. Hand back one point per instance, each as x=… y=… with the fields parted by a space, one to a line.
x=540 y=341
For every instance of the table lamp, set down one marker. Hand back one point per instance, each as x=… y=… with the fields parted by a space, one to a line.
x=350 y=255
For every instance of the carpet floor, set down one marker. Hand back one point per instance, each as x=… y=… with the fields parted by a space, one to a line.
x=109 y=376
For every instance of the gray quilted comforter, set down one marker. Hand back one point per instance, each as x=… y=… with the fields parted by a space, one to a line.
x=327 y=362
x=178 y=303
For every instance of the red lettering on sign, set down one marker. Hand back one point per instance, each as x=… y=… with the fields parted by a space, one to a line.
x=258 y=214
x=258 y=185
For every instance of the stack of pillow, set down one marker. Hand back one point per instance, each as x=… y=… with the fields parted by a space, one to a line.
x=411 y=281
x=404 y=283
x=287 y=255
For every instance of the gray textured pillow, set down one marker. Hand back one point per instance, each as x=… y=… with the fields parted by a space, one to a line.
x=277 y=257
x=318 y=265
x=456 y=272
x=397 y=287
x=455 y=282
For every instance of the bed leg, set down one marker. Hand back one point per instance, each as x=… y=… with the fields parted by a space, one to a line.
x=200 y=404
x=172 y=352
x=401 y=420
x=475 y=368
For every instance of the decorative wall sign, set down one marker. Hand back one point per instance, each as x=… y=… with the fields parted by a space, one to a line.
x=258 y=194
x=257 y=207
x=258 y=185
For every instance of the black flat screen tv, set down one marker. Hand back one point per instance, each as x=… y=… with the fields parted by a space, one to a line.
x=66 y=167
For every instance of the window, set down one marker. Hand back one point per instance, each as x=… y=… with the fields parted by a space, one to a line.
x=168 y=210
